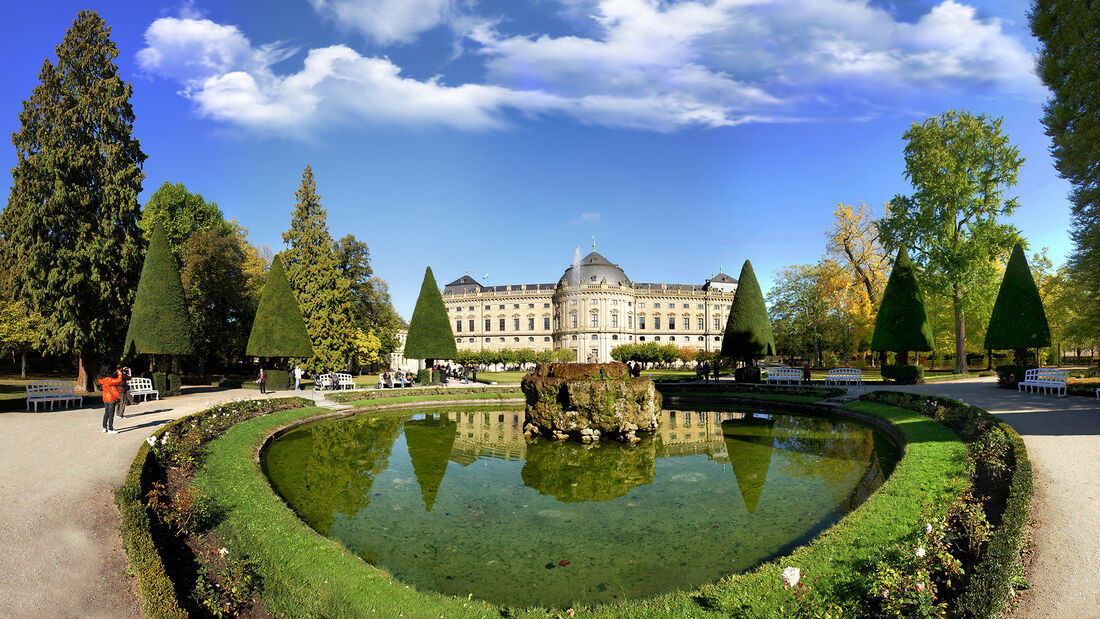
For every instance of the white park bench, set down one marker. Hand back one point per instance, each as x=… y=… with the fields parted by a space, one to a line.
x=323 y=382
x=775 y=375
x=343 y=381
x=142 y=386
x=1098 y=393
x=1045 y=378
x=845 y=375
x=52 y=391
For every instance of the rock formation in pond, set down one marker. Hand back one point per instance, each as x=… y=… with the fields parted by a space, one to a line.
x=587 y=401
x=574 y=473
x=749 y=444
x=430 y=441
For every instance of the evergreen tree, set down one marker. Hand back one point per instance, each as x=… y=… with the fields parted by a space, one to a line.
x=216 y=289
x=1069 y=64
x=1018 y=320
x=159 y=324
x=748 y=329
x=278 y=330
x=430 y=336
x=315 y=276
x=71 y=224
x=901 y=324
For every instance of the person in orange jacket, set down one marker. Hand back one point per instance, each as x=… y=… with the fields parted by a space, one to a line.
x=110 y=382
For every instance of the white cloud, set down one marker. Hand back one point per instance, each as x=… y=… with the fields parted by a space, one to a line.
x=589 y=218
x=644 y=64
x=388 y=21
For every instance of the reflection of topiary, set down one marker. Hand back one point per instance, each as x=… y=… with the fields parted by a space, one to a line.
x=430 y=335
x=1018 y=320
x=159 y=324
x=749 y=445
x=573 y=473
x=748 y=329
x=901 y=323
x=430 y=441
x=278 y=330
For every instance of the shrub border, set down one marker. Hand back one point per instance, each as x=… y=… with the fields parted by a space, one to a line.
x=991 y=583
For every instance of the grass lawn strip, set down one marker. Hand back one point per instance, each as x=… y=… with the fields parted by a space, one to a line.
x=306 y=574
x=433 y=398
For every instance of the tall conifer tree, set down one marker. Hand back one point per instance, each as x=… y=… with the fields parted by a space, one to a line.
x=159 y=324
x=901 y=324
x=748 y=329
x=315 y=276
x=1018 y=320
x=71 y=224
x=430 y=336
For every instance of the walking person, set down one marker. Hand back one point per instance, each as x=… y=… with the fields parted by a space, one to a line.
x=110 y=383
x=262 y=380
x=123 y=391
x=297 y=378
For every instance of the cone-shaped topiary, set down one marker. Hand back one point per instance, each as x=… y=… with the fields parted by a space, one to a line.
x=430 y=335
x=901 y=323
x=278 y=330
x=430 y=442
x=748 y=329
x=1018 y=319
x=159 y=324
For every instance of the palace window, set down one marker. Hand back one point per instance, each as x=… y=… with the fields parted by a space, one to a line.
x=458 y=325
x=595 y=337
x=672 y=338
x=700 y=323
x=641 y=338
x=516 y=306
x=488 y=339
x=700 y=338
x=530 y=306
x=641 y=322
x=687 y=323
x=656 y=306
x=614 y=320
x=471 y=308
x=716 y=307
x=545 y=305
x=671 y=323
x=594 y=320
x=657 y=322
x=716 y=338
x=615 y=337
x=630 y=320
x=530 y=339
x=501 y=324
x=657 y=338
x=458 y=340
x=686 y=306
x=700 y=306
x=641 y=305
x=572 y=302
x=557 y=322
x=530 y=324
x=574 y=338
x=471 y=340
x=515 y=339
x=488 y=324
x=471 y=325
x=501 y=307
x=488 y=307
x=573 y=320
x=717 y=322
x=546 y=323
x=614 y=301
x=515 y=325
x=546 y=339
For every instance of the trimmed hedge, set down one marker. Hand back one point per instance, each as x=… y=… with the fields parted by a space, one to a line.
x=735 y=388
x=174 y=384
x=157 y=591
x=426 y=377
x=990 y=583
x=158 y=594
x=377 y=394
x=903 y=374
x=747 y=374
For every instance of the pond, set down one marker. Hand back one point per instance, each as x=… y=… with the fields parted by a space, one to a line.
x=457 y=501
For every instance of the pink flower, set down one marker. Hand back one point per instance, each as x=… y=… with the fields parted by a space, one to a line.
x=920 y=587
x=919 y=552
x=885 y=593
x=928 y=528
x=791 y=576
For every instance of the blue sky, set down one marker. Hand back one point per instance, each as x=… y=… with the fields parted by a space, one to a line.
x=498 y=136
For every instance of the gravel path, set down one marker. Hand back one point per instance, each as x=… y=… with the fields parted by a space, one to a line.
x=61 y=556
x=60 y=550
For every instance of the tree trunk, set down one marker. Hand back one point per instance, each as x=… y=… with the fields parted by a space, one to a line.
x=817 y=352
x=960 y=337
x=85 y=371
x=902 y=358
x=23 y=365
x=202 y=366
x=989 y=360
x=1019 y=356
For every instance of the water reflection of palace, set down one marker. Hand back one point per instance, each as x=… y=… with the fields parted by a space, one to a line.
x=500 y=435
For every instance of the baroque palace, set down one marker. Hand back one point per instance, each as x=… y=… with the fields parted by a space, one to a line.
x=593 y=308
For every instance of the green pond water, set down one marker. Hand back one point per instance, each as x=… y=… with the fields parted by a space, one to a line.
x=457 y=501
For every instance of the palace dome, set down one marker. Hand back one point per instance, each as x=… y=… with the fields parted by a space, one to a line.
x=594 y=269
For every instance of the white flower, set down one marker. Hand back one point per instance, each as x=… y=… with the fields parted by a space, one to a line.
x=928 y=528
x=152 y=440
x=223 y=551
x=919 y=552
x=791 y=576
x=164 y=438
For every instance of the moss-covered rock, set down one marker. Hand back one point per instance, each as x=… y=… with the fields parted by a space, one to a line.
x=574 y=473
x=591 y=401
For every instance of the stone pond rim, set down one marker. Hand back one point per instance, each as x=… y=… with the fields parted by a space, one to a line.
x=589 y=401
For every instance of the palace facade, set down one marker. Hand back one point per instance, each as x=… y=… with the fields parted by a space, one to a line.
x=592 y=308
